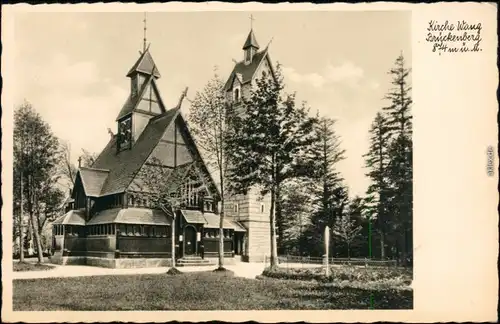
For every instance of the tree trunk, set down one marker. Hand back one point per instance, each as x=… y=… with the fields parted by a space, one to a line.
x=274 y=256
x=173 y=239
x=382 y=245
x=348 y=251
x=221 y=224
x=221 y=243
x=21 y=232
x=37 y=238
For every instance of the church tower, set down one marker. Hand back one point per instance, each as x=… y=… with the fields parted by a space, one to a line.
x=252 y=209
x=143 y=102
x=250 y=47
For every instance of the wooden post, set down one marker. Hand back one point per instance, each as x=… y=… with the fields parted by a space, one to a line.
x=327 y=246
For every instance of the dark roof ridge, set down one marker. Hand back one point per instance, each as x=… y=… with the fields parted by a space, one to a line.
x=138 y=96
x=94 y=169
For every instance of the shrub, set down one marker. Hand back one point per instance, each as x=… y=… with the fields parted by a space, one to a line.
x=348 y=276
x=174 y=271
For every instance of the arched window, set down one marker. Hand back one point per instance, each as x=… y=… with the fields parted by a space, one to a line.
x=262 y=208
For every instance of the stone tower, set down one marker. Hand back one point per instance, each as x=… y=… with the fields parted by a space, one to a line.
x=252 y=209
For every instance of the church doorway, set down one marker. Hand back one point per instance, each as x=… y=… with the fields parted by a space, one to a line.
x=238 y=243
x=190 y=240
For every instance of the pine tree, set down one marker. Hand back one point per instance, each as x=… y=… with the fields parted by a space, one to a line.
x=400 y=150
x=329 y=190
x=377 y=161
x=269 y=144
x=296 y=210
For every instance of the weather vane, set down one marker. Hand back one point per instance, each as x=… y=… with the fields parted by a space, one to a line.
x=145 y=29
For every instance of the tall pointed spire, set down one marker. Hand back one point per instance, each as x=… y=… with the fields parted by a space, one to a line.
x=251 y=46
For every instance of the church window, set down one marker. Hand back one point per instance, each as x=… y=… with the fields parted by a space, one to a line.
x=235 y=208
x=248 y=56
x=262 y=207
x=125 y=133
x=236 y=95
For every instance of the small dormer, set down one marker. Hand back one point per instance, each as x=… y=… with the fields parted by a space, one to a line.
x=250 y=47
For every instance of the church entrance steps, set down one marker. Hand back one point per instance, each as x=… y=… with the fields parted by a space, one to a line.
x=193 y=261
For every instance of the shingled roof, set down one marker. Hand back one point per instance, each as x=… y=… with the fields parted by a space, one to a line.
x=145 y=64
x=133 y=100
x=246 y=71
x=93 y=180
x=73 y=217
x=131 y=215
x=124 y=166
x=251 y=41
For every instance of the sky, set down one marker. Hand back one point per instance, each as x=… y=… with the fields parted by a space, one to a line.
x=72 y=66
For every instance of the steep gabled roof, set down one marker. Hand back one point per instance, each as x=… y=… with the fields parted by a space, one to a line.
x=124 y=166
x=145 y=64
x=92 y=180
x=246 y=71
x=251 y=41
x=133 y=100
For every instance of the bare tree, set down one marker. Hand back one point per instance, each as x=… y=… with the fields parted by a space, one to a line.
x=67 y=169
x=208 y=119
x=347 y=230
x=164 y=187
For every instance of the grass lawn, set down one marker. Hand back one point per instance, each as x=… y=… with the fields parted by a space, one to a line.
x=28 y=266
x=196 y=291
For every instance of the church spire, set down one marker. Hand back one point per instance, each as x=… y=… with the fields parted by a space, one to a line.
x=251 y=46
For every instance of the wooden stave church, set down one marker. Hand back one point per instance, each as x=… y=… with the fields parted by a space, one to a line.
x=105 y=226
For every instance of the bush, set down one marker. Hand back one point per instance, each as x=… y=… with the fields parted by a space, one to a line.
x=359 y=277
x=174 y=271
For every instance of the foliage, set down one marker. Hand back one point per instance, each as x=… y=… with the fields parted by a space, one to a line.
x=67 y=169
x=174 y=272
x=296 y=209
x=346 y=229
x=196 y=291
x=355 y=275
x=330 y=194
x=210 y=126
x=378 y=193
x=270 y=143
x=400 y=150
x=27 y=266
x=36 y=156
x=163 y=186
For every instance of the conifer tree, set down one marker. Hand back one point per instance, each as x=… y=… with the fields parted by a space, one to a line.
x=270 y=143
x=330 y=191
x=377 y=161
x=399 y=121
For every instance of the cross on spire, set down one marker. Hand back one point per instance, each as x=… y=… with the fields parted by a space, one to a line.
x=251 y=21
x=79 y=162
x=145 y=29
